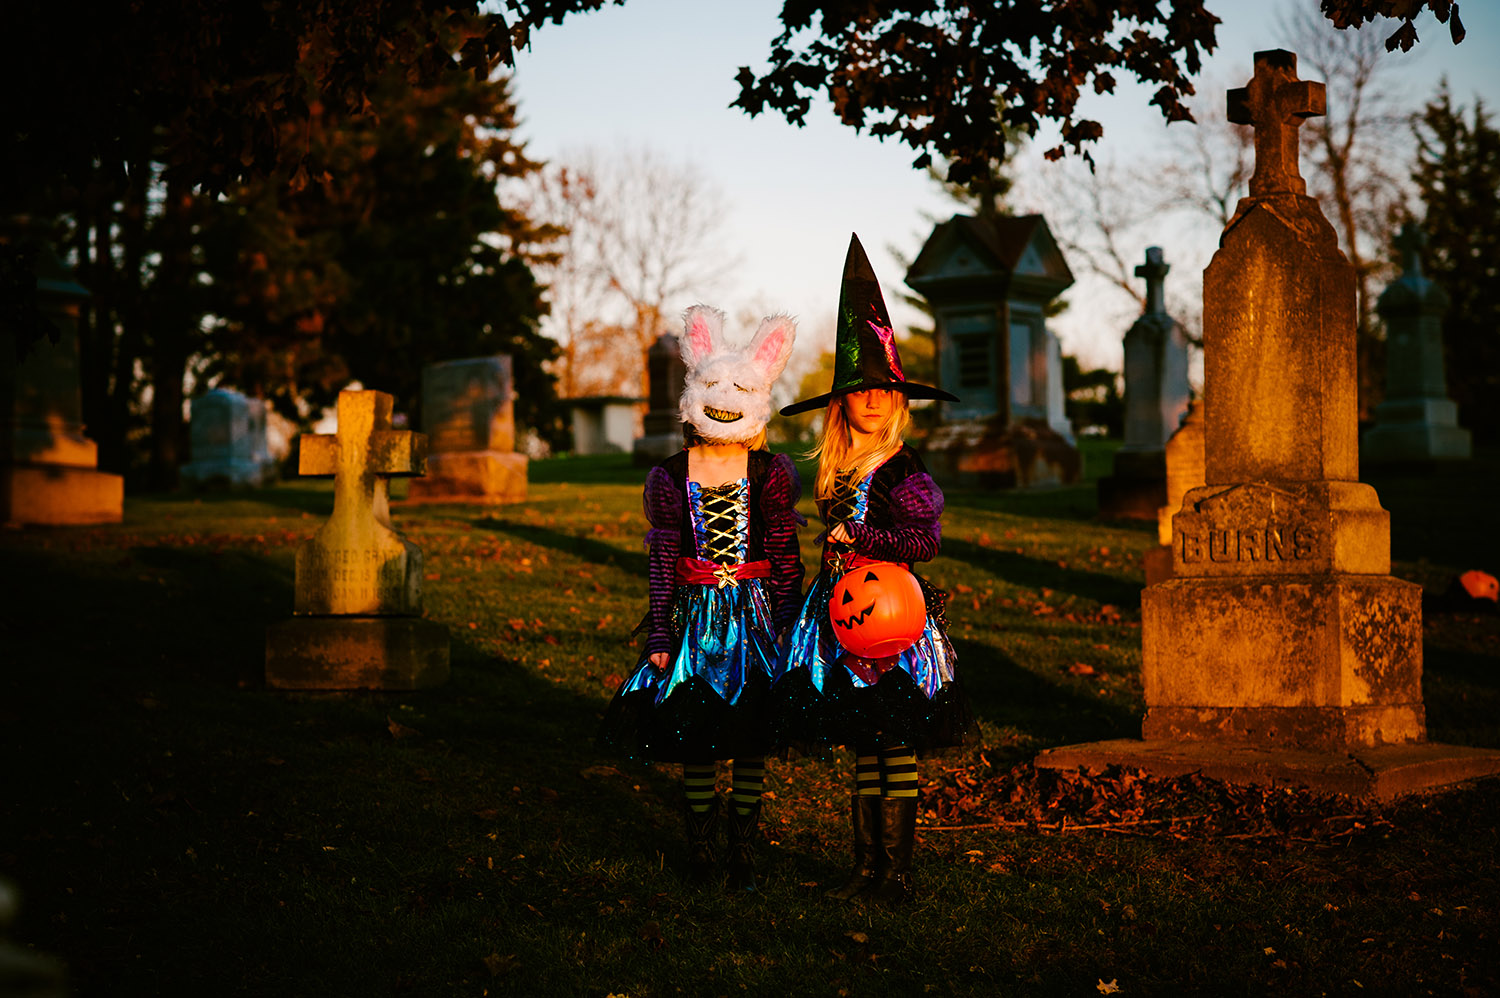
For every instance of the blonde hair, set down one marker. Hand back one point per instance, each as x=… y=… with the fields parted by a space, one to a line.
x=833 y=446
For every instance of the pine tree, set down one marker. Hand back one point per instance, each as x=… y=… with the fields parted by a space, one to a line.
x=1457 y=173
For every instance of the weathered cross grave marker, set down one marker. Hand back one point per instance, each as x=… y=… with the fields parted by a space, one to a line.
x=358 y=600
x=1282 y=649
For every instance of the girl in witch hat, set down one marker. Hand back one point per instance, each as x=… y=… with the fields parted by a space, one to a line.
x=882 y=511
x=725 y=580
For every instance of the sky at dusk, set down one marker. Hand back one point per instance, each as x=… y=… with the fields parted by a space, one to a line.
x=659 y=75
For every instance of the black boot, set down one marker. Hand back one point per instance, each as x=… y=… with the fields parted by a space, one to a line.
x=742 y=832
x=702 y=836
x=864 y=820
x=898 y=829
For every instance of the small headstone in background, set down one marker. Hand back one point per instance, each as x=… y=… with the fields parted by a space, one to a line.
x=228 y=441
x=49 y=470
x=468 y=413
x=1156 y=395
x=1184 y=473
x=358 y=597
x=1417 y=421
x=662 y=428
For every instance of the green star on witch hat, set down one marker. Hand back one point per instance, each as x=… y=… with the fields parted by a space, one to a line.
x=864 y=349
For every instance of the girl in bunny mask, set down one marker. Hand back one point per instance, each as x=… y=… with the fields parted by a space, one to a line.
x=725 y=581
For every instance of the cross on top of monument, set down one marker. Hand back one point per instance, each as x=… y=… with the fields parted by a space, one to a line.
x=1275 y=103
x=1410 y=243
x=1154 y=270
x=362 y=454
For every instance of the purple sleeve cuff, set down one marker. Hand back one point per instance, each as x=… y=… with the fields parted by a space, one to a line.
x=916 y=512
x=779 y=492
x=663 y=506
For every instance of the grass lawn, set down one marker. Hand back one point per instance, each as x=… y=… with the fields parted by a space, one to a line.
x=177 y=829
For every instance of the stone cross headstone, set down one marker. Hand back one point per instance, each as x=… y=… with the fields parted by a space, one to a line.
x=49 y=469
x=223 y=432
x=358 y=595
x=662 y=428
x=468 y=411
x=1282 y=626
x=1156 y=395
x=1417 y=421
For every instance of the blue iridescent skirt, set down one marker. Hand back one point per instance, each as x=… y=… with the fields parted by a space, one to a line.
x=710 y=701
x=825 y=697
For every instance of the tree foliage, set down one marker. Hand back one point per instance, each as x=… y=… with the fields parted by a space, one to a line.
x=1458 y=176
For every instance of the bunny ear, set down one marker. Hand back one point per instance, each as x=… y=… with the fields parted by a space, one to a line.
x=772 y=344
x=702 y=333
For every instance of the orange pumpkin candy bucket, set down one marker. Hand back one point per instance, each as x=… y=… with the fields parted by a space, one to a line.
x=877 y=610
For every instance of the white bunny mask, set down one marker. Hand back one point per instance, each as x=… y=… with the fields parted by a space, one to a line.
x=726 y=395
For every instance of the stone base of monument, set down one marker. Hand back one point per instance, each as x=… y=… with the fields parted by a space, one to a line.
x=59 y=495
x=356 y=653
x=1383 y=773
x=655 y=448
x=471 y=476
x=990 y=454
x=1158 y=564
x=1412 y=430
x=1138 y=487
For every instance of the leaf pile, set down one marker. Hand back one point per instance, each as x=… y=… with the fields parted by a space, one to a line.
x=1129 y=801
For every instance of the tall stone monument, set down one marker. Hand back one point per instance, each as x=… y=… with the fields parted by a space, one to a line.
x=1417 y=421
x=1282 y=649
x=1184 y=473
x=1156 y=395
x=49 y=470
x=662 y=427
x=989 y=281
x=468 y=411
x=227 y=432
x=358 y=605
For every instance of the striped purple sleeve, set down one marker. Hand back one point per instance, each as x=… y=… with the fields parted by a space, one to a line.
x=779 y=492
x=916 y=507
x=663 y=506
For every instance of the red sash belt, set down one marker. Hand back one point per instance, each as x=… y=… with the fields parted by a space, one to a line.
x=707 y=573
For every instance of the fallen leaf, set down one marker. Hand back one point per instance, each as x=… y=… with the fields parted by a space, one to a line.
x=399 y=730
x=1080 y=669
x=1110 y=987
x=497 y=964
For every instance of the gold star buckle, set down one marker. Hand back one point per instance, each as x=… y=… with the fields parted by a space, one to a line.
x=836 y=566
x=725 y=575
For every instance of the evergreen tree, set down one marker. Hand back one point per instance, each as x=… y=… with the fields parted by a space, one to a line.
x=1458 y=176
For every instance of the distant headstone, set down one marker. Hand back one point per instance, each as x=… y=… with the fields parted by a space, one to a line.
x=1282 y=650
x=358 y=596
x=605 y=424
x=48 y=468
x=1417 y=421
x=468 y=411
x=228 y=435
x=989 y=281
x=1184 y=473
x=1156 y=394
x=662 y=428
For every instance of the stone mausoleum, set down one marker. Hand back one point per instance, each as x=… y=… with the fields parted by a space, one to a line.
x=989 y=282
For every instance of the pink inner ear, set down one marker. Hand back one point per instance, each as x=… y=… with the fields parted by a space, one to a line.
x=699 y=338
x=770 y=348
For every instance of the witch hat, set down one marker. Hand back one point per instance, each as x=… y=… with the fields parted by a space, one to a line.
x=864 y=349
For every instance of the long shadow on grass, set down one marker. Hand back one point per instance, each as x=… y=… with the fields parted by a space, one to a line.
x=1009 y=695
x=1461 y=690
x=1034 y=573
x=1077 y=502
x=584 y=548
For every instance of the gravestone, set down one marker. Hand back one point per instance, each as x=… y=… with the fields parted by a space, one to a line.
x=49 y=470
x=228 y=435
x=1184 y=458
x=1417 y=421
x=605 y=424
x=468 y=411
x=662 y=427
x=1282 y=650
x=1156 y=395
x=358 y=596
x=989 y=281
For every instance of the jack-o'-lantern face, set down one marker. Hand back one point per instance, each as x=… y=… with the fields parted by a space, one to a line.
x=877 y=610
